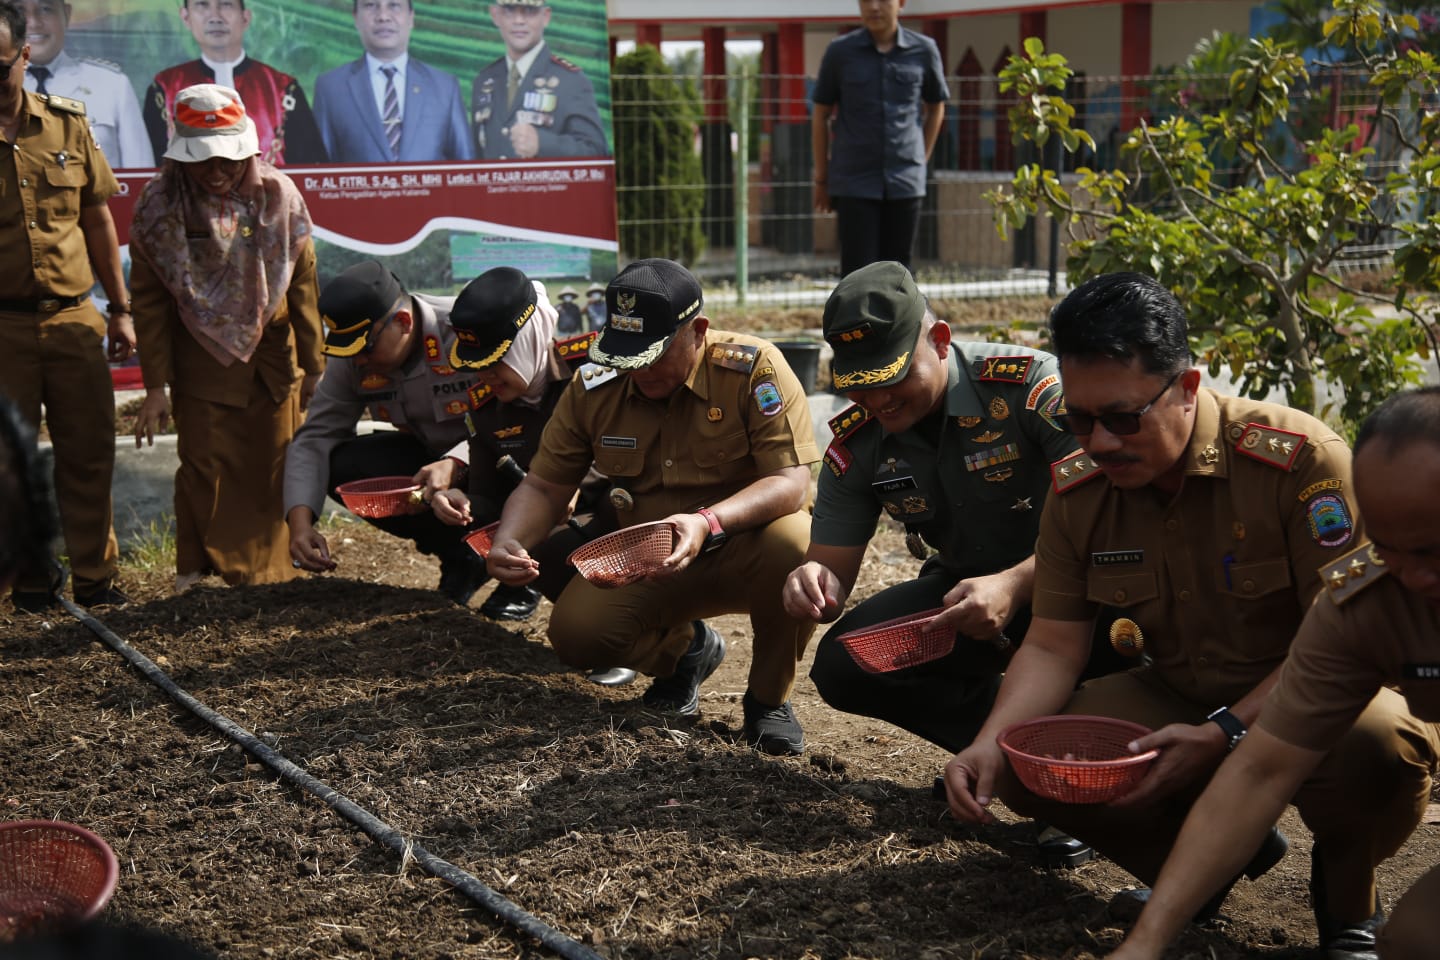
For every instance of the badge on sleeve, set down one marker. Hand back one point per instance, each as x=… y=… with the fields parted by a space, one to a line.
x=767 y=398
x=1329 y=521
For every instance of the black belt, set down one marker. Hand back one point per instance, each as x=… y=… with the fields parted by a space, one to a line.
x=42 y=305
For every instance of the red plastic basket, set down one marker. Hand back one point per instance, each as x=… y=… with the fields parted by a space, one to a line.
x=626 y=555
x=51 y=873
x=899 y=643
x=381 y=497
x=1076 y=759
x=483 y=539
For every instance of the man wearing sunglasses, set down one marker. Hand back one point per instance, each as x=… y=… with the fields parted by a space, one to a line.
x=1204 y=518
x=54 y=183
x=391 y=351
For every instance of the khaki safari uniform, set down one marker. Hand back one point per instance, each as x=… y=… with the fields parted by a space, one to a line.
x=971 y=484
x=742 y=414
x=1364 y=640
x=1211 y=584
x=234 y=424
x=427 y=399
x=50 y=333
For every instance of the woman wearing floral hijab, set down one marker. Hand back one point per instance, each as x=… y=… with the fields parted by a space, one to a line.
x=224 y=295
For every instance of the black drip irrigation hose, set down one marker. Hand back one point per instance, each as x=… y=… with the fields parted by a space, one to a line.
x=378 y=829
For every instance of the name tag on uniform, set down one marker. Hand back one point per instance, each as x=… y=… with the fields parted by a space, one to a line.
x=1109 y=558
x=621 y=443
x=1420 y=671
x=891 y=486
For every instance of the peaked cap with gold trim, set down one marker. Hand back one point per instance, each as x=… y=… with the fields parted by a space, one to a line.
x=872 y=321
x=487 y=316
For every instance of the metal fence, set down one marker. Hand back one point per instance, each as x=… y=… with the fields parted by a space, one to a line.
x=786 y=254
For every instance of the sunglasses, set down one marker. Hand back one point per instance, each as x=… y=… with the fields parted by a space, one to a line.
x=1119 y=423
x=5 y=68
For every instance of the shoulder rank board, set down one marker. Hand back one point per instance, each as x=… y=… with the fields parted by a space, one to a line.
x=844 y=424
x=480 y=394
x=733 y=356
x=1069 y=473
x=64 y=104
x=1271 y=445
x=593 y=375
x=576 y=347
x=1003 y=369
x=1356 y=570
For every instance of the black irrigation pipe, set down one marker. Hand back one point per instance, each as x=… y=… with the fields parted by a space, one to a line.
x=378 y=829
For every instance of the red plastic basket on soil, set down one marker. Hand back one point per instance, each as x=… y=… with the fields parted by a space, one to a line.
x=51 y=873
x=1076 y=759
x=483 y=539
x=381 y=497
x=626 y=555
x=902 y=642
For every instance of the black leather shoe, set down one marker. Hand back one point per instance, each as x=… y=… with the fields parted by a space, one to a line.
x=772 y=729
x=508 y=602
x=1127 y=904
x=1338 y=940
x=612 y=677
x=1059 y=849
x=106 y=595
x=461 y=574
x=679 y=693
x=33 y=601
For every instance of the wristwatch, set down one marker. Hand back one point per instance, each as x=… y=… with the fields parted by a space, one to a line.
x=1232 y=725
x=716 y=538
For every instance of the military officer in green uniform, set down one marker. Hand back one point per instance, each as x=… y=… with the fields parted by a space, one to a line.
x=954 y=441
x=711 y=432
x=1372 y=639
x=531 y=102
x=1204 y=519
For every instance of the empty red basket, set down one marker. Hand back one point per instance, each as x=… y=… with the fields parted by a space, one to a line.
x=381 y=497
x=51 y=873
x=899 y=643
x=1076 y=759
x=626 y=555
x=483 y=539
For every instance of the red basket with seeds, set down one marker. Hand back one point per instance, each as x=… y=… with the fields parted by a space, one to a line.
x=376 y=497
x=1076 y=759
x=51 y=874
x=902 y=642
x=626 y=555
x=483 y=539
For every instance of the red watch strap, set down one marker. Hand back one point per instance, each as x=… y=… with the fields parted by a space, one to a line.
x=714 y=521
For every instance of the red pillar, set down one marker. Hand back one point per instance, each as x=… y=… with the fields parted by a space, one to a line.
x=1135 y=32
x=714 y=70
x=1032 y=24
x=936 y=30
x=791 y=49
x=647 y=34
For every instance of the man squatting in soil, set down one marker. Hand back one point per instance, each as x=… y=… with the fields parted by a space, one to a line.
x=1375 y=631
x=709 y=431
x=1204 y=519
x=393 y=349
x=954 y=441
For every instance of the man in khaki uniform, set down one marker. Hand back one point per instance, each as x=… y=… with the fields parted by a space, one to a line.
x=711 y=432
x=1203 y=519
x=1378 y=626
x=53 y=186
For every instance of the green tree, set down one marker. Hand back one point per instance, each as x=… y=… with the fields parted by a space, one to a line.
x=660 y=187
x=1257 y=257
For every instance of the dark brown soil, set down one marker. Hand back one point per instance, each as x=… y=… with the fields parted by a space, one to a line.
x=636 y=836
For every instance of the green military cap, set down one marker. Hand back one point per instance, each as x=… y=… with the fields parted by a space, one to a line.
x=872 y=322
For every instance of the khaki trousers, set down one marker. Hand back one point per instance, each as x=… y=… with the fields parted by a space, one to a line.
x=646 y=626
x=57 y=361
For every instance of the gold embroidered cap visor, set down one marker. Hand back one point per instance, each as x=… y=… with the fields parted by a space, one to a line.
x=353 y=303
x=645 y=304
x=872 y=321
x=487 y=316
